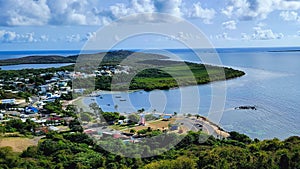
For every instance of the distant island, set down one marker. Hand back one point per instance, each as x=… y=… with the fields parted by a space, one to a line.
x=39 y=60
x=109 y=57
x=291 y=50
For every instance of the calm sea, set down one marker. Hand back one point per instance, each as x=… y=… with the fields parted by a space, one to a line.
x=272 y=84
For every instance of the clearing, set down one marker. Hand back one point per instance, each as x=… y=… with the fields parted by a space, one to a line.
x=18 y=144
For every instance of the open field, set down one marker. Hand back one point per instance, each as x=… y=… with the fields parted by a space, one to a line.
x=18 y=144
x=158 y=124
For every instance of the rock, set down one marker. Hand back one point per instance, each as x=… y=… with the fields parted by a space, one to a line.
x=246 y=108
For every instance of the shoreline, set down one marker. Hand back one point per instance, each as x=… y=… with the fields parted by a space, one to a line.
x=209 y=127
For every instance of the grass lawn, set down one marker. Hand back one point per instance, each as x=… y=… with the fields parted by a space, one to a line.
x=18 y=144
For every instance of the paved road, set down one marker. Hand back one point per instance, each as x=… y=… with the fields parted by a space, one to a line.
x=206 y=126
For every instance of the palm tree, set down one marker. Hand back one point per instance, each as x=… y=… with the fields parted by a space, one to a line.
x=141 y=110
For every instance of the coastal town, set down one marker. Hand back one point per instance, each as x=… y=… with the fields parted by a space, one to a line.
x=26 y=98
x=51 y=108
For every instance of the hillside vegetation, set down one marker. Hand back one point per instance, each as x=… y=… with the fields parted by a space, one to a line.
x=77 y=150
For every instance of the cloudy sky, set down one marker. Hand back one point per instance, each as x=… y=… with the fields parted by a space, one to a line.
x=68 y=24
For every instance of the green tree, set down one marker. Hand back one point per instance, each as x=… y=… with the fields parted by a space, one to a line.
x=143 y=131
x=15 y=125
x=54 y=107
x=134 y=118
x=141 y=110
x=75 y=126
x=284 y=161
x=110 y=116
x=122 y=117
x=132 y=131
x=85 y=116
x=179 y=163
x=95 y=107
x=2 y=129
x=240 y=137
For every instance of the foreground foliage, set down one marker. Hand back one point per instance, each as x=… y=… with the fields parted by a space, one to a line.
x=77 y=150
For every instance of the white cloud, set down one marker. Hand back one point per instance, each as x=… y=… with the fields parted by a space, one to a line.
x=261 y=24
x=265 y=34
x=49 y=12
x=10 y=37
x=119 y=10
x=74 y=38
x=183 y=36
x=231 y=25
x=172 y=7
x=80 y=37
x=262 y=34
x=245 y=36
x=289 y=16
x=28 y=37
x=43 y=12
x=223 y=36
x=44 y=38
x=204 y=13
x=91 y=12
x=24 y=12
x=142 y=6
x=72 y=12
x=89 y=36
x=228 y=10
x=7 y=36
x=168 y=6
x=255 y=9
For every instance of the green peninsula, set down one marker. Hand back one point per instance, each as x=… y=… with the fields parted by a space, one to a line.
x=128 y=70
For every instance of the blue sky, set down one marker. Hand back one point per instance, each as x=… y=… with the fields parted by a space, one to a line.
x=68 y=24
